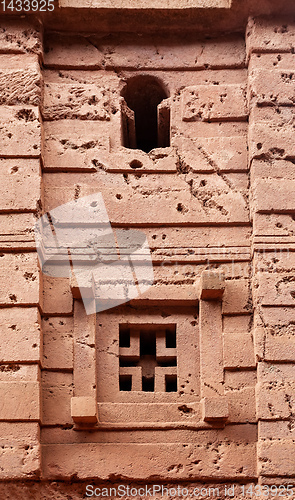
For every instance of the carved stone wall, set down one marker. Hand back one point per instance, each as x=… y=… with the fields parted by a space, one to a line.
x=192 y=382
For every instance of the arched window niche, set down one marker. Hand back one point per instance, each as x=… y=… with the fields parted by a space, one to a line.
x=145 y=114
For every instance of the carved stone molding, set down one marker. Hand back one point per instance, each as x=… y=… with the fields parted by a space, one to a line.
x=214 y=403
x=84 y=401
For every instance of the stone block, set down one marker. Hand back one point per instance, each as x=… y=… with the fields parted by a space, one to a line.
x=214 y=103
x=211 y=348
x=276 y=117
x=273 y=225
x=239 y=379
x=138 y=461
x=273 y=402
x=271 y=61
x=186 y=200
x=280 y=372
x=57 y=296
x=133 y=161
x=224 y=53
x=275 y=391
x=271 y=134
x=156 y=413
x=276 y=457
x=65 y=78
x=84 y=410
x=200 y=243
x=84 y=376
x=277 y=333
x=277 y=316
x=274 y=195
x=190 y=54
x=20 y=80
x=21 y=185
x=237 y=299
x=75 y=144
x=215 y=409
x=222 y=154
x=20 y=457
x=238 y=351
x=241 y=405
x=196 y=129
x=178 y=294
x=280 y=429
x=18 y=36
x=37 y=489
x=280 y=348
x=57 y=390
x=19 y=400
x=267 y=35
x=276 y=170
x=20 y=336
x=272 y=87
x=15 y=372
x=77 y=100
x=212 y=285
x=19 y=278
x=70 y=52
x=275 y=289
x=143 y=4
x=236 y=324
x=58 y=343
x=20 y=131
x=16 y=232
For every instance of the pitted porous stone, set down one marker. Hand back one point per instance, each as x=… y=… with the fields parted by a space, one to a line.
x=20 y=457
x=20 y=335
x=191 y=199
x=21 y=183
x=20 y=79
x=192 y=381
x=19 y=280
x=214 y=103
x=87 y=102
x=270 y=35
x=20 y=131
x=19 y=37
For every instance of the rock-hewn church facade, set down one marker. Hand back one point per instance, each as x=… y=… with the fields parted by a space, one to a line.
x=181 y=114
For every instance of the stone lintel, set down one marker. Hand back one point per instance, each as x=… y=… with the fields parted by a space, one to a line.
x=146 y=4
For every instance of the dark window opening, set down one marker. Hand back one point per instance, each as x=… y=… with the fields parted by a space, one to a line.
x=171 y=338
x=125 y=362
x=145 y=114
x=147 y=343
x=148 y=384
x=171 y=383
x=148 y=347
x=125 y=382
x=169 y=362
x=124 y=337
